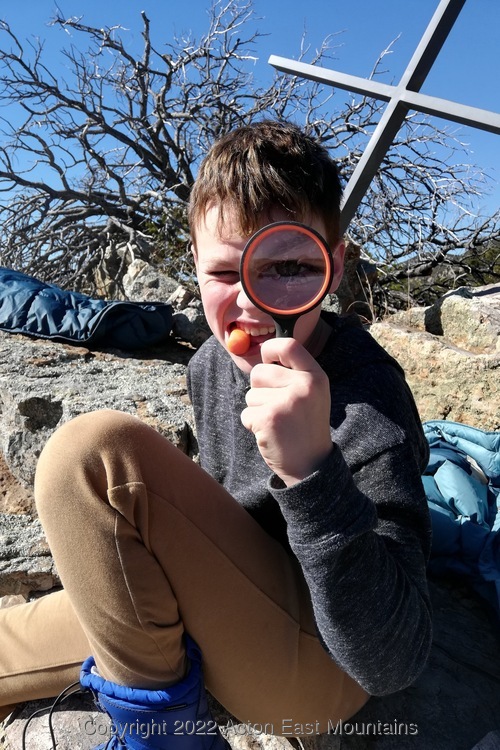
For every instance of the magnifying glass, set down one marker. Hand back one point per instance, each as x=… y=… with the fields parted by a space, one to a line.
x=286 y=270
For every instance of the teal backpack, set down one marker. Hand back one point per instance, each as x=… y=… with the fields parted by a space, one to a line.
x=462 y=484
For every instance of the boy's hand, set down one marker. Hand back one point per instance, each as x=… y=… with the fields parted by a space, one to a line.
x=288 y=410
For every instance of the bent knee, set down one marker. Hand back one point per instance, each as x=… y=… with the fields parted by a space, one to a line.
x=87 y=431
x=79 y=446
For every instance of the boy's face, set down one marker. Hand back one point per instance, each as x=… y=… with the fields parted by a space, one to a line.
x=217 y=258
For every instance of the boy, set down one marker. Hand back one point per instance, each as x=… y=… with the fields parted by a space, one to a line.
x=295 y=557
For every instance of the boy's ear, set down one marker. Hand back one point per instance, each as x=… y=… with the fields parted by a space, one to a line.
x=338 y=265
x=195 y=254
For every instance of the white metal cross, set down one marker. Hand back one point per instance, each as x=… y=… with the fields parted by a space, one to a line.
x=401 y=98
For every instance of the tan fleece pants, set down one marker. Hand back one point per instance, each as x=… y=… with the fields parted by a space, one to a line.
x=148 y=545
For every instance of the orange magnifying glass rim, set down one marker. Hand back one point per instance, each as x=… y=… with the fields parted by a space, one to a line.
x=256 y=239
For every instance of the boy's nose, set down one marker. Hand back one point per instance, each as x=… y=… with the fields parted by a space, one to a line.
x=244 y=302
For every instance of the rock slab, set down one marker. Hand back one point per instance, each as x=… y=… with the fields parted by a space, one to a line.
x=451 y=355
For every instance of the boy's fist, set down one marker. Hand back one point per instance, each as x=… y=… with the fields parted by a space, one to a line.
x=288 y=410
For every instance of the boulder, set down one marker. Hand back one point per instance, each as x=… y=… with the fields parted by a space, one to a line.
x=43 y=385
x=144 y=283
x=451 y=355
x=26 y=565
x=468 y=318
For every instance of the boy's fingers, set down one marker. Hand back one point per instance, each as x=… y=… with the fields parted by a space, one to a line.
x=259 y=396
x=272 y=375
x=288 y=353
x=247 y=417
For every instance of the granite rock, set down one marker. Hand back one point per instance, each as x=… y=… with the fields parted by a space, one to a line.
x=451 y=356
x=468 y=318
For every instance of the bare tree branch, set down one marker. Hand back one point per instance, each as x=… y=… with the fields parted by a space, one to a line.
x=102 y=162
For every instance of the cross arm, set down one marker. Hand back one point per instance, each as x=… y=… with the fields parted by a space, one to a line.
x=478 y=118
x=431 y=105
x=356 y=84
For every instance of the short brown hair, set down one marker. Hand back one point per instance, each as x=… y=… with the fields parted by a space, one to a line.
x=265 y=165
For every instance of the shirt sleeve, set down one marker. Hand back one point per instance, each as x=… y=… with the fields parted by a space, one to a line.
x=361 y=534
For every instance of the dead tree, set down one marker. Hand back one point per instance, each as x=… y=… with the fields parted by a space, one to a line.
x=97 y=166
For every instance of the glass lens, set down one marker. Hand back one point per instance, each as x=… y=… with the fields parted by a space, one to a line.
x=286 y=269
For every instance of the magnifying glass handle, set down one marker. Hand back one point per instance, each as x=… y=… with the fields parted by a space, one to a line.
x=285 y=325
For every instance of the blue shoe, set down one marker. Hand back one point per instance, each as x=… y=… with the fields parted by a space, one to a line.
x=176 y=718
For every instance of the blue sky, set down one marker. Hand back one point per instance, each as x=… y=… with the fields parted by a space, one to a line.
x=467 y=70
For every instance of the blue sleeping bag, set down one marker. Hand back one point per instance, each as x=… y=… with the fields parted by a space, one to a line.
x=32 y=307
x=462 y=484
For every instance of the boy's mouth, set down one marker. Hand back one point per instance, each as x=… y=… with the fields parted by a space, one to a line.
x=253 y=330
x=258 y=333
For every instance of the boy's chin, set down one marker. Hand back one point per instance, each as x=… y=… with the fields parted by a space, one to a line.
x=246 y=363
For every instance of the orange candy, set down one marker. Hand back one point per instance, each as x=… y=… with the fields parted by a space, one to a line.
x=238 y=342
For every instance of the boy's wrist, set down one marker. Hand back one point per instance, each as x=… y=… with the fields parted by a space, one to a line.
x=328 y=501
x=307 y=469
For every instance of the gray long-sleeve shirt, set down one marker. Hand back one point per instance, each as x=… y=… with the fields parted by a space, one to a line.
x=359 y=525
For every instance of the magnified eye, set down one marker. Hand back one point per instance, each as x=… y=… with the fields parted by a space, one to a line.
x=286 y=268
x=289 y=268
